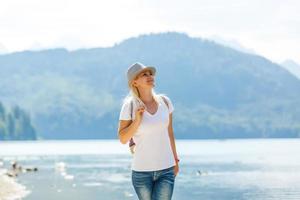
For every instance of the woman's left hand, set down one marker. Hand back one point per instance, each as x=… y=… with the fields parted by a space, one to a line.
x=176 y=169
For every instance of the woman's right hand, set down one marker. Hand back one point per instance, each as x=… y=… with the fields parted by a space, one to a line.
x=139 y=114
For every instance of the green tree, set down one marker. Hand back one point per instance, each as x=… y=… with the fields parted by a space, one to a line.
x=15 y=124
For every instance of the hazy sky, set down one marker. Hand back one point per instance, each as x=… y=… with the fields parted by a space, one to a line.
x=269 y=27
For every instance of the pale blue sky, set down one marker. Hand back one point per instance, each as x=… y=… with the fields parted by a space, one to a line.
x=269 y=27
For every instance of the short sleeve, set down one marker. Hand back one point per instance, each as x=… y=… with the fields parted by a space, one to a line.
x=170 y=104
x=125 y=112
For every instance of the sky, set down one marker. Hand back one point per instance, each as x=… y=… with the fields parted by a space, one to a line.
x=270 y=28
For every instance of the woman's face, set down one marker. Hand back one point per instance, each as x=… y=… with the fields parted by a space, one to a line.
x=145 y=79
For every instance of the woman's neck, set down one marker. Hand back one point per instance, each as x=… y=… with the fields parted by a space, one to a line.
x=146 y=96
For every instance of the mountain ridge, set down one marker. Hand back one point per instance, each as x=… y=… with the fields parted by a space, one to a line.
x=77 y=94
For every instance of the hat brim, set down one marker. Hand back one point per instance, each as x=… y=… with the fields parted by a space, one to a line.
x=152 y=69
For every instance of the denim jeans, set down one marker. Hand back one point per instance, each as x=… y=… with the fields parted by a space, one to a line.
x=154 y=185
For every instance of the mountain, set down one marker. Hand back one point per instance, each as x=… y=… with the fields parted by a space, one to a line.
x=217 y=91
x=292 y=66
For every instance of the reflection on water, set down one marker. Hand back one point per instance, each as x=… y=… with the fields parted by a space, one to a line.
x=231 y=169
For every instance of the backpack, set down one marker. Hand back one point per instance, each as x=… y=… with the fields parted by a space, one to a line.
x=131 y=142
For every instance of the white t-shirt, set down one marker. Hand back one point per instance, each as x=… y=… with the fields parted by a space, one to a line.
x=153 y=149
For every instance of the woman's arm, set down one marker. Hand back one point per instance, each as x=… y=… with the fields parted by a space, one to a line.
x=126 y=130
x=173 y=145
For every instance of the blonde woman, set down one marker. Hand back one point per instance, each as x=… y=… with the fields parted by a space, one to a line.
x=146 y=118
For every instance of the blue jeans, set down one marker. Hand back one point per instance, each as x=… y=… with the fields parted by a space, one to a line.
x=154 y=185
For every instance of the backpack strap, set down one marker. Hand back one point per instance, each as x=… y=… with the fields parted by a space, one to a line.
x=131 y=142
x=165 y=100
x=131 y=109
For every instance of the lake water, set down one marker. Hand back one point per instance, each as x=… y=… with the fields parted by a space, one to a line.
x=259 y=169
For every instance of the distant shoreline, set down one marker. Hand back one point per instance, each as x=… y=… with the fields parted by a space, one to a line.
x=114 y=147
x=183 y=139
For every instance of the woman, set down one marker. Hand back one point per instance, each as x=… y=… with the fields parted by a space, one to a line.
x=147 y=118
